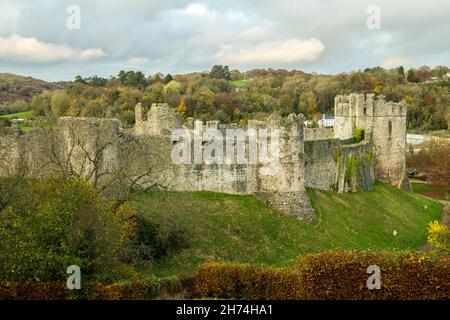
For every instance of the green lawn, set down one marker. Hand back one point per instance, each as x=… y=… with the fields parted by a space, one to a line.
x=434 y=192
x=241 y=229
x=23 y=115
x=240 y=83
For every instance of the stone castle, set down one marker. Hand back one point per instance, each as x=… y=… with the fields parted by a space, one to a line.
x=323 y=158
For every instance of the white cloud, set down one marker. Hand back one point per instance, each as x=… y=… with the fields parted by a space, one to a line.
x=92 y=53
x=276 y=52
x=395 y=62
x=20 y=48
x=196 y=9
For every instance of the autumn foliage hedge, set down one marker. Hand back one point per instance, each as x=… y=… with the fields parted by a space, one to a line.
x=330 y=275
x=144 y=290
x=223 y=280
x=327 y=275
x=405 y=276
x=139 y=290
x=33 y=291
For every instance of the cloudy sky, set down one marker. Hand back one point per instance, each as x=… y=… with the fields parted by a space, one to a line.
x=180 y=36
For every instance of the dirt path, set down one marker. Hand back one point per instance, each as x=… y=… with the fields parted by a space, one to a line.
x=445 y=221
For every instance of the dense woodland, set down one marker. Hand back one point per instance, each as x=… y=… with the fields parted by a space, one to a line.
x=234 y=96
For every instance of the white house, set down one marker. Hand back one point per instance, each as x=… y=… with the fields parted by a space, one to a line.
x=327 y=121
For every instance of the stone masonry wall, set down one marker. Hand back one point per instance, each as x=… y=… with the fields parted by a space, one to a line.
x=337 y=165
x=99 y=150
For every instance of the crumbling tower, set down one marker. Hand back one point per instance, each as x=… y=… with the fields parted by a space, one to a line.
x=384 y=123
x=389 y=140
x=161 y=119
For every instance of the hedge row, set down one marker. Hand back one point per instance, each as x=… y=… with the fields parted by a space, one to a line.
x=32 y=291
x=220 y=280
x=405 y=276
x=143 y=290
x=330 y=275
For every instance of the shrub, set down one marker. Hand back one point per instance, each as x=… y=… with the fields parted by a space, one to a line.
x=51 y=224
x=342 y=275
x=230 y=281
x=157 y=240
x=4 y=123
x=330 y=275
x=149 y=288
x=439 y=237
x=146 y=289
x=358 y=135
x=32 y=291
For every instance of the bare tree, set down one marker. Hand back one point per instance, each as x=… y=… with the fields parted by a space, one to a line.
x=114 y=163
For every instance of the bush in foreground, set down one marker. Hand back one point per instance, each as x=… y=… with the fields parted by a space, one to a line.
x=48 y=225
x=149 y=288
x=330 y=275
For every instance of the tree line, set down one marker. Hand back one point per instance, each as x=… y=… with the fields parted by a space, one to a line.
x=234 y=96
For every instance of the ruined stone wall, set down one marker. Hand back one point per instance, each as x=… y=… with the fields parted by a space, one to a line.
x=338 y=165
x=321 y=163
x=384 y=124
x=318 y=134
x=283 y=190
x=91 y=146
x=389 y=139
x=9 y=152
x=25 y=155
x=160 y=120
x=355 y=167
x=99 y=150
x=344 y=120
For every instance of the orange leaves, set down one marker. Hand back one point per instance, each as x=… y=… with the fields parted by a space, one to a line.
x=330 y=275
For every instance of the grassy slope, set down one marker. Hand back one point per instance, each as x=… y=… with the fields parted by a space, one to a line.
x=242 y=229
x=23 y=115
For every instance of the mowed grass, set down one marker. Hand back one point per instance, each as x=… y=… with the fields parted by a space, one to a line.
x=439 y=193
x=240 y=83
x=22 y=115
x=242 y=229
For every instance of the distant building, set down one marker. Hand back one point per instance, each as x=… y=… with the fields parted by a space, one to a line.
x=308 y=123
x=327 y=121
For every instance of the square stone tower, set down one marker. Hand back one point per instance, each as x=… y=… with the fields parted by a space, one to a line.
x=384 y=123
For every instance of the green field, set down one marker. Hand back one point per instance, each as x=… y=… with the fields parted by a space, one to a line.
x=440 y=193
x=23 y=115
x=240 y=83
x=242 y=229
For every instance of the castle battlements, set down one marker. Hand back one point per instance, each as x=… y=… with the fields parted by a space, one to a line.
x=317 y=158
x=160 y=120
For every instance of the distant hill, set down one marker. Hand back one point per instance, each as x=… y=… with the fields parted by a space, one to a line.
x=15 y=88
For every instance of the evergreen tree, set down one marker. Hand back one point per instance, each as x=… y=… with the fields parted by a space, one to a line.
x=410 y=75
x=168 y=78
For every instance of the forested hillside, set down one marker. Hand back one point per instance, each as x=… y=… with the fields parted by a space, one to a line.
x=234 y=96
x=17 y=91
